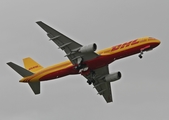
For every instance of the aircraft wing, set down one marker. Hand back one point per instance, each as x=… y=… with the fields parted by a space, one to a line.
x=69 y=46
x=102 y=87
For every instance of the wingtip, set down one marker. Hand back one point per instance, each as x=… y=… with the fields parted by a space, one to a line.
x=8 y=63
x=39 y=22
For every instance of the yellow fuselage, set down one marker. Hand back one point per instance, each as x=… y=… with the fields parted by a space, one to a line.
x=106 y=56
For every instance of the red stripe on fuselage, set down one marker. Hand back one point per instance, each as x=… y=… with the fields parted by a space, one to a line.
x=60 y=73
x=102 y=61
x=98 y=62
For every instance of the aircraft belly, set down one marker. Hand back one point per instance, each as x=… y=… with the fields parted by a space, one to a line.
x=99 y=62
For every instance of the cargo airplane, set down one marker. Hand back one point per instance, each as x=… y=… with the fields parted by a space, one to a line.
x=82 y=60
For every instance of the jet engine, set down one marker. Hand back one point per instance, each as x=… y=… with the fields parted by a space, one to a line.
x=113 y=77
x=88 y=48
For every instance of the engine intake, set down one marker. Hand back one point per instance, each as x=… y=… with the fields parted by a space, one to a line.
x=88 y=48
x=113 y=77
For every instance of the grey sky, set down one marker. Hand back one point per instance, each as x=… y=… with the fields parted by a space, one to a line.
x=141 y=94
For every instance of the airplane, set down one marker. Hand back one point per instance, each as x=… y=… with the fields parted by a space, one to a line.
x=82 y=60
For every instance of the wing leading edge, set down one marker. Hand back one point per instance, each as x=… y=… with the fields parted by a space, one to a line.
x=68 y=45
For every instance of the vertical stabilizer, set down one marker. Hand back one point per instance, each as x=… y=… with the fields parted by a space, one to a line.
x=31 y=65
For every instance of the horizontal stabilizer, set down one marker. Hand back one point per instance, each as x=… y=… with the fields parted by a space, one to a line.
x=23 y=72
x=35 y=86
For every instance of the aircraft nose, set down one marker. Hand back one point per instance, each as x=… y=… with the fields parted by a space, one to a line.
x=158 y=42
x=155 y=41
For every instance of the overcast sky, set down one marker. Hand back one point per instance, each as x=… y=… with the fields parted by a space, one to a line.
x=141 y=94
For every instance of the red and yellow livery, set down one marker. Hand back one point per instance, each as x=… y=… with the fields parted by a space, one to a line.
x=106 y=56
x=83 y=60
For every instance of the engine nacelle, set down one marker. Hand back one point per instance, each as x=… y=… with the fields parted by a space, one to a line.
x=113 y=77
x=88 y=48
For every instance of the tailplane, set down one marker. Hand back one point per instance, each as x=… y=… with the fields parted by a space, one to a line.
x=35 y=86
x=23 y=72
x=31 y=65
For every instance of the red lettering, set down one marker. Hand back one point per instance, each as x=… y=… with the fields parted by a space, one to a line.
x=134 y=42
x=33 y=67
x=126 y=44
x=116 y=47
